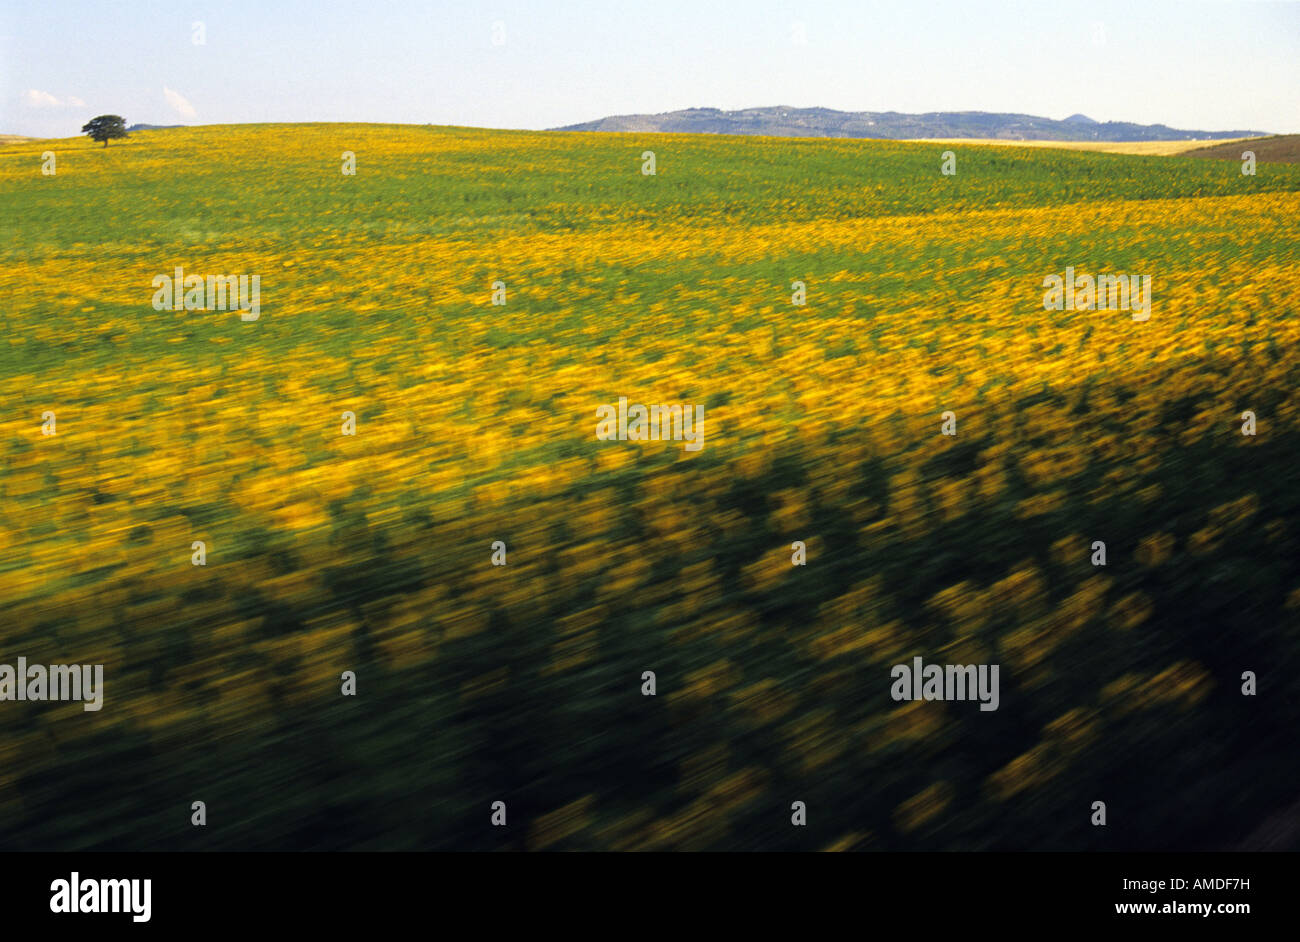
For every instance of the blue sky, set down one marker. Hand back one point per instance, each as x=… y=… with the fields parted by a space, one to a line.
x=1189 y=64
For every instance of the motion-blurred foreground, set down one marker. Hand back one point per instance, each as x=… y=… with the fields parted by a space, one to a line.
x=476 y=423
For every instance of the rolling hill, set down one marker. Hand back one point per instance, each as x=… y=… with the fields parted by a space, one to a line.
x=476 y=422
x=1279 y=149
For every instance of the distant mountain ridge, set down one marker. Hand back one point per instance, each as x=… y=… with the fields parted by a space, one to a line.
x=780 y=121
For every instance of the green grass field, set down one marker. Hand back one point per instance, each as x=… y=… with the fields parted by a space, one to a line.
x=475 y=423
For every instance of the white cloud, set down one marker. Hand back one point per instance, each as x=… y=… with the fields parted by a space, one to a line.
x=178 y=103
x=35 y=98
x=38 y=99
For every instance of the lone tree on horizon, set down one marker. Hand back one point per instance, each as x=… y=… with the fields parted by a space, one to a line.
x=105 y=127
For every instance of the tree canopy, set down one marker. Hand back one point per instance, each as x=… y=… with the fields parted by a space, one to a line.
x=105 y=127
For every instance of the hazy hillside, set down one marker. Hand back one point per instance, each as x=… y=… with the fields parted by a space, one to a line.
x=781 y=121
